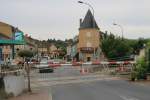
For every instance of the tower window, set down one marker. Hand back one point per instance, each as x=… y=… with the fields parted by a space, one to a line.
x=88 y=34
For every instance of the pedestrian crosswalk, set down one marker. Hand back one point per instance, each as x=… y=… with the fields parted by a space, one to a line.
x=70 y=80
x=66 y=75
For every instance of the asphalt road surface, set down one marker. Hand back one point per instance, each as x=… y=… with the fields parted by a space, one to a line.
x=101 y=90
x=59 y=72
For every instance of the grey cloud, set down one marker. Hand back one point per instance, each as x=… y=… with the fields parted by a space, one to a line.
x=62 y=16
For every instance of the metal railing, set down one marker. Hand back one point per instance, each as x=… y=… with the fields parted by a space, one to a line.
x=6 y=69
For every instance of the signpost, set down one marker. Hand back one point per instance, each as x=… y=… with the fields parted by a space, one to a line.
x=0 y=55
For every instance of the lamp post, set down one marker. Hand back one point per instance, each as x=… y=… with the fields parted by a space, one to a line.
x=88 y=5
x=120 y=28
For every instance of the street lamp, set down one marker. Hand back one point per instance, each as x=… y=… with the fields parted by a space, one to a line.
x=88 y=5
x=81 y=2
x=120 y=28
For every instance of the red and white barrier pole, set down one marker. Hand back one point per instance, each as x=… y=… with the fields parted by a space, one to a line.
x=84 y=70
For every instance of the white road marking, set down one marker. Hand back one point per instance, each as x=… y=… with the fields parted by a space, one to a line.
x=50 y=94
x=128 y=98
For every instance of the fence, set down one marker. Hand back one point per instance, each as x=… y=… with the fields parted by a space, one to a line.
x=10 y=70
x=106 y=66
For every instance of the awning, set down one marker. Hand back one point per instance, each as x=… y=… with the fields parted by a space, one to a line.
x=16 y=42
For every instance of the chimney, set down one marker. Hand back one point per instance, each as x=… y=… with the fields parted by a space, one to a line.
x=80 y=21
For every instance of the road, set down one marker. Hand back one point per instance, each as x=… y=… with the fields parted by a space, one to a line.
x=101 y=90
x=63 y=71
x=62 y=75
x=60 y=72
x=67 y=83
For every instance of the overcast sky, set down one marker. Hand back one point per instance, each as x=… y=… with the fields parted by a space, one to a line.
x=59 y=19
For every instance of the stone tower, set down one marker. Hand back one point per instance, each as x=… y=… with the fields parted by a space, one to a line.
x=89 y=39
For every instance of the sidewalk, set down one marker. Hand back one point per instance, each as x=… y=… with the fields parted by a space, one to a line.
x=143 y=82
x=35 y=95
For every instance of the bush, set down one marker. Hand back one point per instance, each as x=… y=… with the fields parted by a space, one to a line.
x=140 y=70
x=148 y=56
x=133 y=75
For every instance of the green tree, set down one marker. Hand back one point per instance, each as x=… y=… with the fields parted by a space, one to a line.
x=142 y=67
x=60 y=44
x=148 y=56
x=27 y=55
x=115 y=48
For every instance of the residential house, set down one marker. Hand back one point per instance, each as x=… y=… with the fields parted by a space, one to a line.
x=43 y=48
x=54 y=51
x=74 y=49
x=30 y=44
x=68 y=56
x=7 y=41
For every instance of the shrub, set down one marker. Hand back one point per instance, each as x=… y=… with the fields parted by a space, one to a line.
x=26 y=53
x=141 y=69
x=133 y=75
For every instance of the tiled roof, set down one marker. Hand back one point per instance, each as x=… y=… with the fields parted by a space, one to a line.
x=89 y=21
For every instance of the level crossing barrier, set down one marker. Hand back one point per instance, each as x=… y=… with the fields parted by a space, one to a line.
x=92 y=63
x=85 y=67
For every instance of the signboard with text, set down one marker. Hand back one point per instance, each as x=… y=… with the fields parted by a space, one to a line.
x=19 y=36
x=87 y=49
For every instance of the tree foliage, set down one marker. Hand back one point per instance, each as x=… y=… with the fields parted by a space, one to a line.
x=26 y=53
x=148 y=56
x=60 y=44
x=117 y=48
x=143 y=64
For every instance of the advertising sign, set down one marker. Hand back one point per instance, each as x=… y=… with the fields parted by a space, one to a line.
x=87 y=49
x=19 y=36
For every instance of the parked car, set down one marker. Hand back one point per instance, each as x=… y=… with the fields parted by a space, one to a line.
x=46 y=70
x=43 y=67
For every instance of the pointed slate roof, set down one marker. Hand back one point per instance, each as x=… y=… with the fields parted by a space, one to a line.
x=89 y=21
